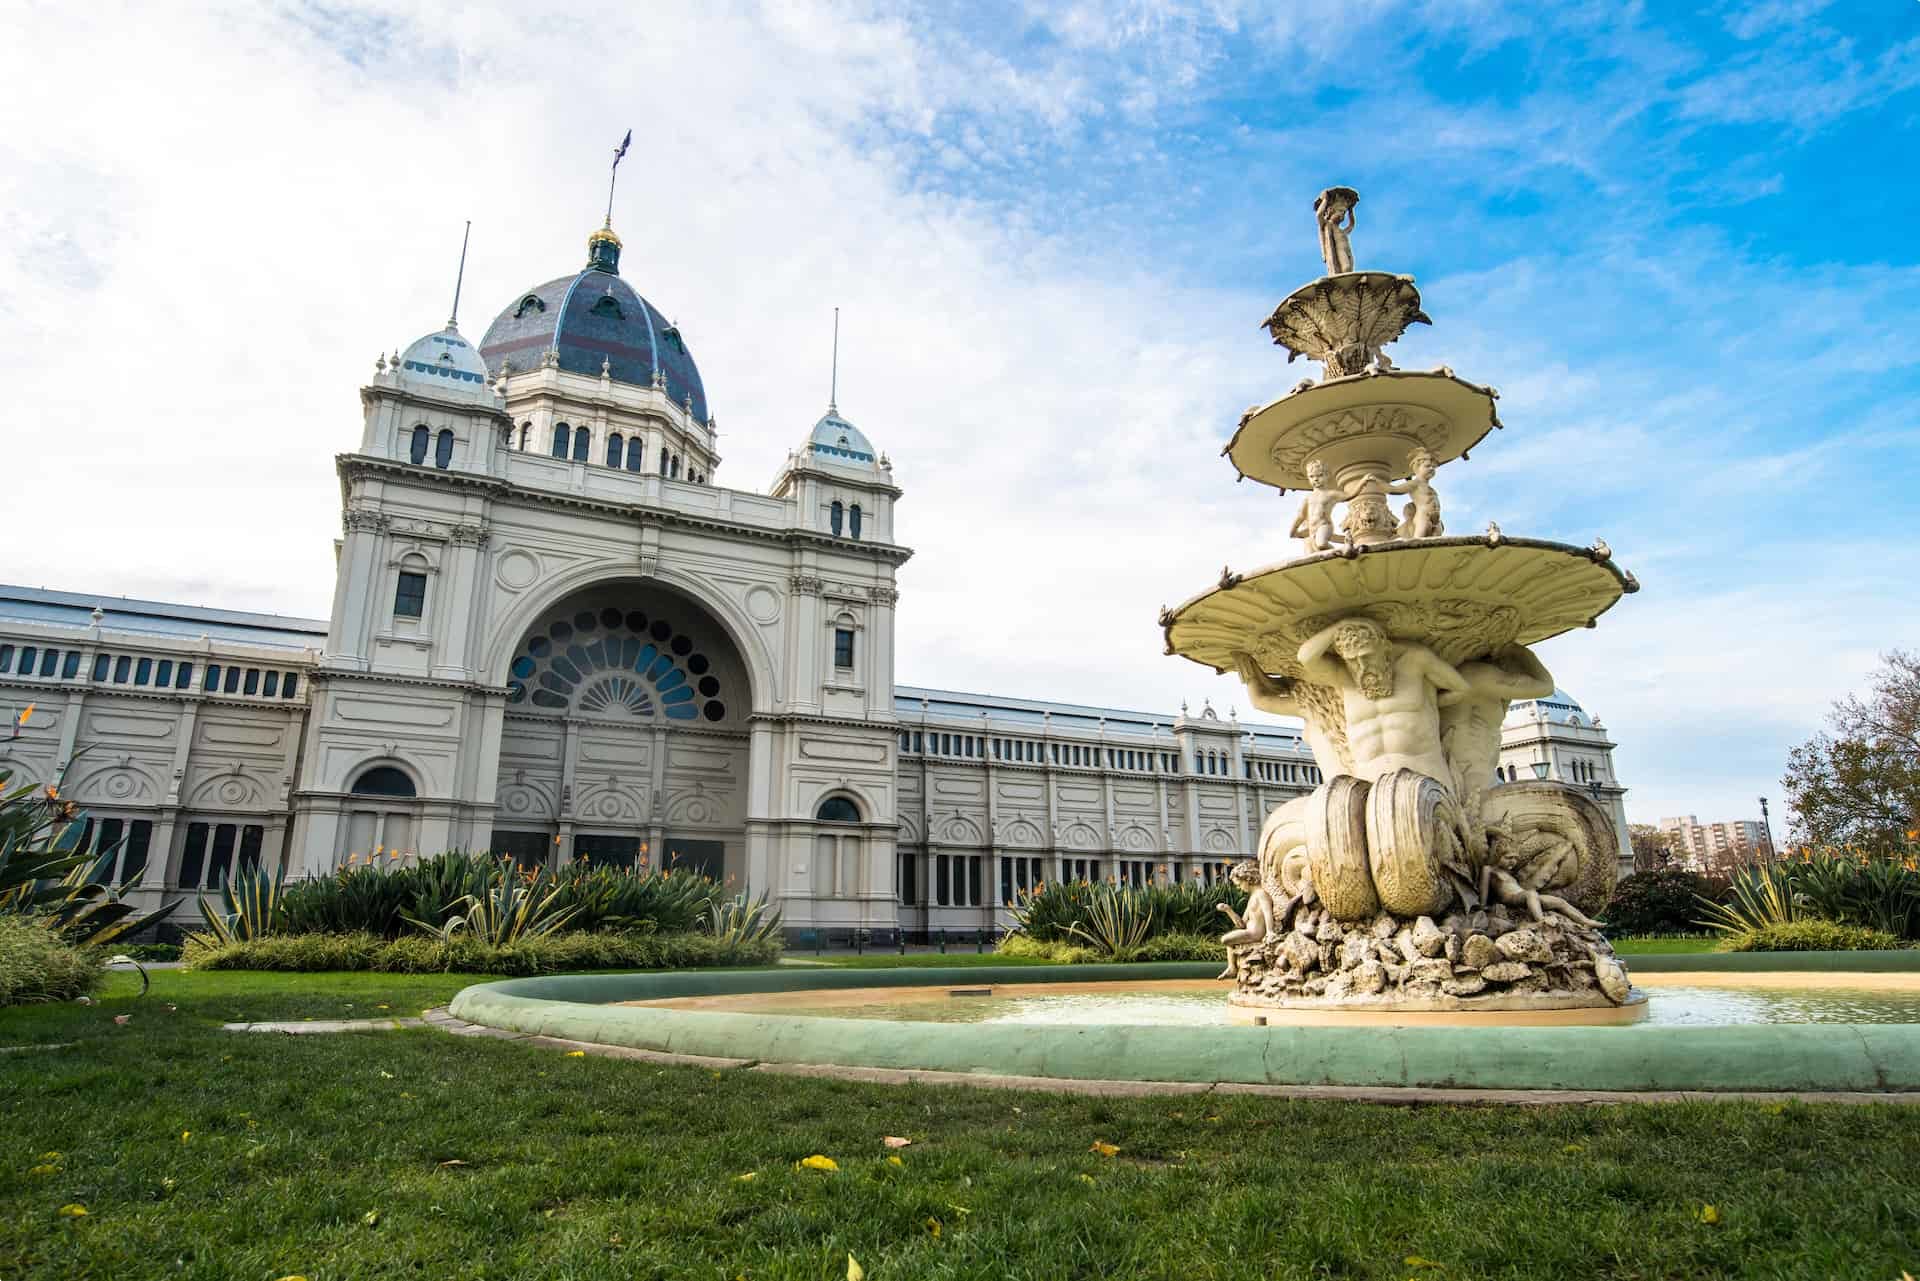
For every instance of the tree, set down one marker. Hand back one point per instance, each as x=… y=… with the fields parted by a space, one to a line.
x=1859 y=783
x=1652 y=848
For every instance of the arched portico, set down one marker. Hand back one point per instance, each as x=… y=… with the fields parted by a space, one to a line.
x=625 y=737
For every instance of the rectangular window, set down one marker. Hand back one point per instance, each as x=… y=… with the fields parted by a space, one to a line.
x=122 y=666
x=973 y=879
x=231 y=684
x=27 y=654
x=49 y=662
x=943 y=882
x=143 y=671
x=220 y=858
x=212 y=683
x=164 y=676
x=193 y=856
x=133 y=859
x=102 y=664
x=184 y=679
x=410 y=596
x=842 y=647
x=290 y=686
x=106 y=839
x=71 y=668
x=6 y=658
x=252 y=685
x=250 y=839
x=908 y=889
x=272 y=687
x=919 y=742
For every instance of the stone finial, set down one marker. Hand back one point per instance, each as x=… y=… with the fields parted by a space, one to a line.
x=380 y=363
x=606 y=368
x=97 y=615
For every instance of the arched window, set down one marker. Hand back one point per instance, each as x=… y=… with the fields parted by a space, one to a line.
x=561 y=435
x=663 y=460
x=582 y=442
x=418 y=453
x=636 y=454
x=383 y=780
x=837 y=809
x=443 y=449
x=853 y=521
x=835 y=515
x=524 y=429
x=615 y=445
x=675 y=473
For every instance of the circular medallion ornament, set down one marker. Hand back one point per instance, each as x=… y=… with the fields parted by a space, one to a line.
x=516 y=570
x=763 y=604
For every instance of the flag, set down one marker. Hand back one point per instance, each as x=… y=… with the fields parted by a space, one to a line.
x=622 y=149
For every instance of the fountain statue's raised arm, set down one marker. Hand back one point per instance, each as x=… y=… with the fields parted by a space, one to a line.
x=1470 y=721
x=1390 y=691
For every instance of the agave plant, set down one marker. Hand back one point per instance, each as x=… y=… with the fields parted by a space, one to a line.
x=1117 y=922
x=1758 y=897
x=251 y=906
x=506 y=913
x=736 y=923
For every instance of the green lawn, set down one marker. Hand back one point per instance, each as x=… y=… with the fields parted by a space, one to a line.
x=205 y=1154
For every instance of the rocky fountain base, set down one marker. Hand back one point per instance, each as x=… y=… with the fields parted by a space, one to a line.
x=1465 y=961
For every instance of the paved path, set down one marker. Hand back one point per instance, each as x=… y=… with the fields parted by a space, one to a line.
x=313 y=1027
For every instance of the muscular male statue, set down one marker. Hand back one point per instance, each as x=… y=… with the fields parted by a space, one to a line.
x=1283 y=698
x=1390 y=690
x=1470 y=721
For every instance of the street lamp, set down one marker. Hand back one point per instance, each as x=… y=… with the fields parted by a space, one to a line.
x=1766 y=823
x=1539 y=769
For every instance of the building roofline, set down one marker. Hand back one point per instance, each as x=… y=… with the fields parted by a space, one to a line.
x=124 y=607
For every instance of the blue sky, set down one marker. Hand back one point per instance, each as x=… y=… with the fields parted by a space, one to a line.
x=1677 y=238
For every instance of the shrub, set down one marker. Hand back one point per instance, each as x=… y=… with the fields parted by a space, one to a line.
x=37 y=964
x=150 y=951
x=1069 y=910
x=1160 y=947
x=1662 y=902
x=1809 y=935
x=1882 y=893
x=463 y=953
x=48 y=872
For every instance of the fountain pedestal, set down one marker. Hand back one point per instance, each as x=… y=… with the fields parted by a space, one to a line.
x=1414 y=878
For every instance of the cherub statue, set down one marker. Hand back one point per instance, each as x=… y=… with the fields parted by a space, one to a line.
x=1421 y=517
x=1332 y=207
x=1258 y=922
x=1314 y=524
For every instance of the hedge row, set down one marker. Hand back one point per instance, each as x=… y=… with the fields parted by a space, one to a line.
x=36 y=964
x=1159 y=947
x=422 y=954
x=1811 y=935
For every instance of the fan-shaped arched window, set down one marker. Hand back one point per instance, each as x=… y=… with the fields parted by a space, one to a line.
x=837 y=809
x=615 y=448
x=443 y=449
x=562 y=434
x=382 y=780
x=418 y=453
x=853 y=521
x=582 y=442
x=836 y=516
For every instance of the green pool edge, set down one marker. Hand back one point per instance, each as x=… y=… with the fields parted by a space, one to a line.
x=1773 y=1058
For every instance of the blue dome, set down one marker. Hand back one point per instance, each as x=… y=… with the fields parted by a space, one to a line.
x=1561 y=708
x=591 y=318
x=443 y=362
x=837 y=438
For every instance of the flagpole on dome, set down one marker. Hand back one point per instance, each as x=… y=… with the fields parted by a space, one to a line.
x=618 y=154
x=459 y=278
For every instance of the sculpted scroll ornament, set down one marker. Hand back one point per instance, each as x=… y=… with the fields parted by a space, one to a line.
x=1412 y=424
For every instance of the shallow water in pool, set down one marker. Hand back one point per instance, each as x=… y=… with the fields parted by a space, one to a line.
x=1674 y=1006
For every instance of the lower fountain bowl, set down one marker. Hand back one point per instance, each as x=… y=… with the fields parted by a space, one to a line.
x=1508 y=1009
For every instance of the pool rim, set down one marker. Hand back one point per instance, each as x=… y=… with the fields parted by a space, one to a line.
x=1829 y=1057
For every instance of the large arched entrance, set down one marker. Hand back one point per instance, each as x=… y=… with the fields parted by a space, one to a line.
x=626 y=740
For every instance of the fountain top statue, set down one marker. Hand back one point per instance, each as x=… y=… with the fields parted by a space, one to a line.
x=1413 y=878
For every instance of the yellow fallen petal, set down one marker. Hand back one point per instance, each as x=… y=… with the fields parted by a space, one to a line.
x=1103 y=1148
x=1415 y=1261
x=73 y=1210
x=44 y=1170
x=185 y=1135
x=1709 y=1215
x=1087 y=1179
x=894 y=1160
x=895 y=1141
x=1572 y=1148
x=854 y=1271
x=958 y=1209
x=293 y=1278
x=49 y=1156
x=748 y=1177
x=371 y=1218
x=933 y=1226
x=818 y=1162
x=576 y=1054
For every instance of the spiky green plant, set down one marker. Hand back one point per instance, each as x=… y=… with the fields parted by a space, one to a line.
x=248 y=905
x=1758 y=897
x=47 y=871
x=1118 y=921
x=508 y=912
x=736 y=923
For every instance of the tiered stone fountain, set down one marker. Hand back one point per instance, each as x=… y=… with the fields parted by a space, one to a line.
x=1413 y=878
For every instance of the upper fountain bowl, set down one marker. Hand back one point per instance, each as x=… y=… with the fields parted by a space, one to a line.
x=1344 y=320
x=1373 y=418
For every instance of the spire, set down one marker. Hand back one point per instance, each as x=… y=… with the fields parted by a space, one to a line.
x=453 y=317
x=603 y=247
x=833 y=391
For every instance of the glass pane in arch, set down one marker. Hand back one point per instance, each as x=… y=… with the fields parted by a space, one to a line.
x=382 y=780
x=837 y=809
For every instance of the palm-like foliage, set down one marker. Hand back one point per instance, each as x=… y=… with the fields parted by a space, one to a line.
x=251 y=906
x=508 y=912
x=1117 y=922
x=1757 y=898
x=737 y=923
x=47 y=871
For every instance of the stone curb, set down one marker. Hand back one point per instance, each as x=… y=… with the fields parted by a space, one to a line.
x=317 y=1027
x=1394 y=1096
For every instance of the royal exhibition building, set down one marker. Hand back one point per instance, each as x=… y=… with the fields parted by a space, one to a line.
x=557 y=634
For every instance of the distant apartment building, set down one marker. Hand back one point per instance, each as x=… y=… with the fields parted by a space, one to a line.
x=1708 y=846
